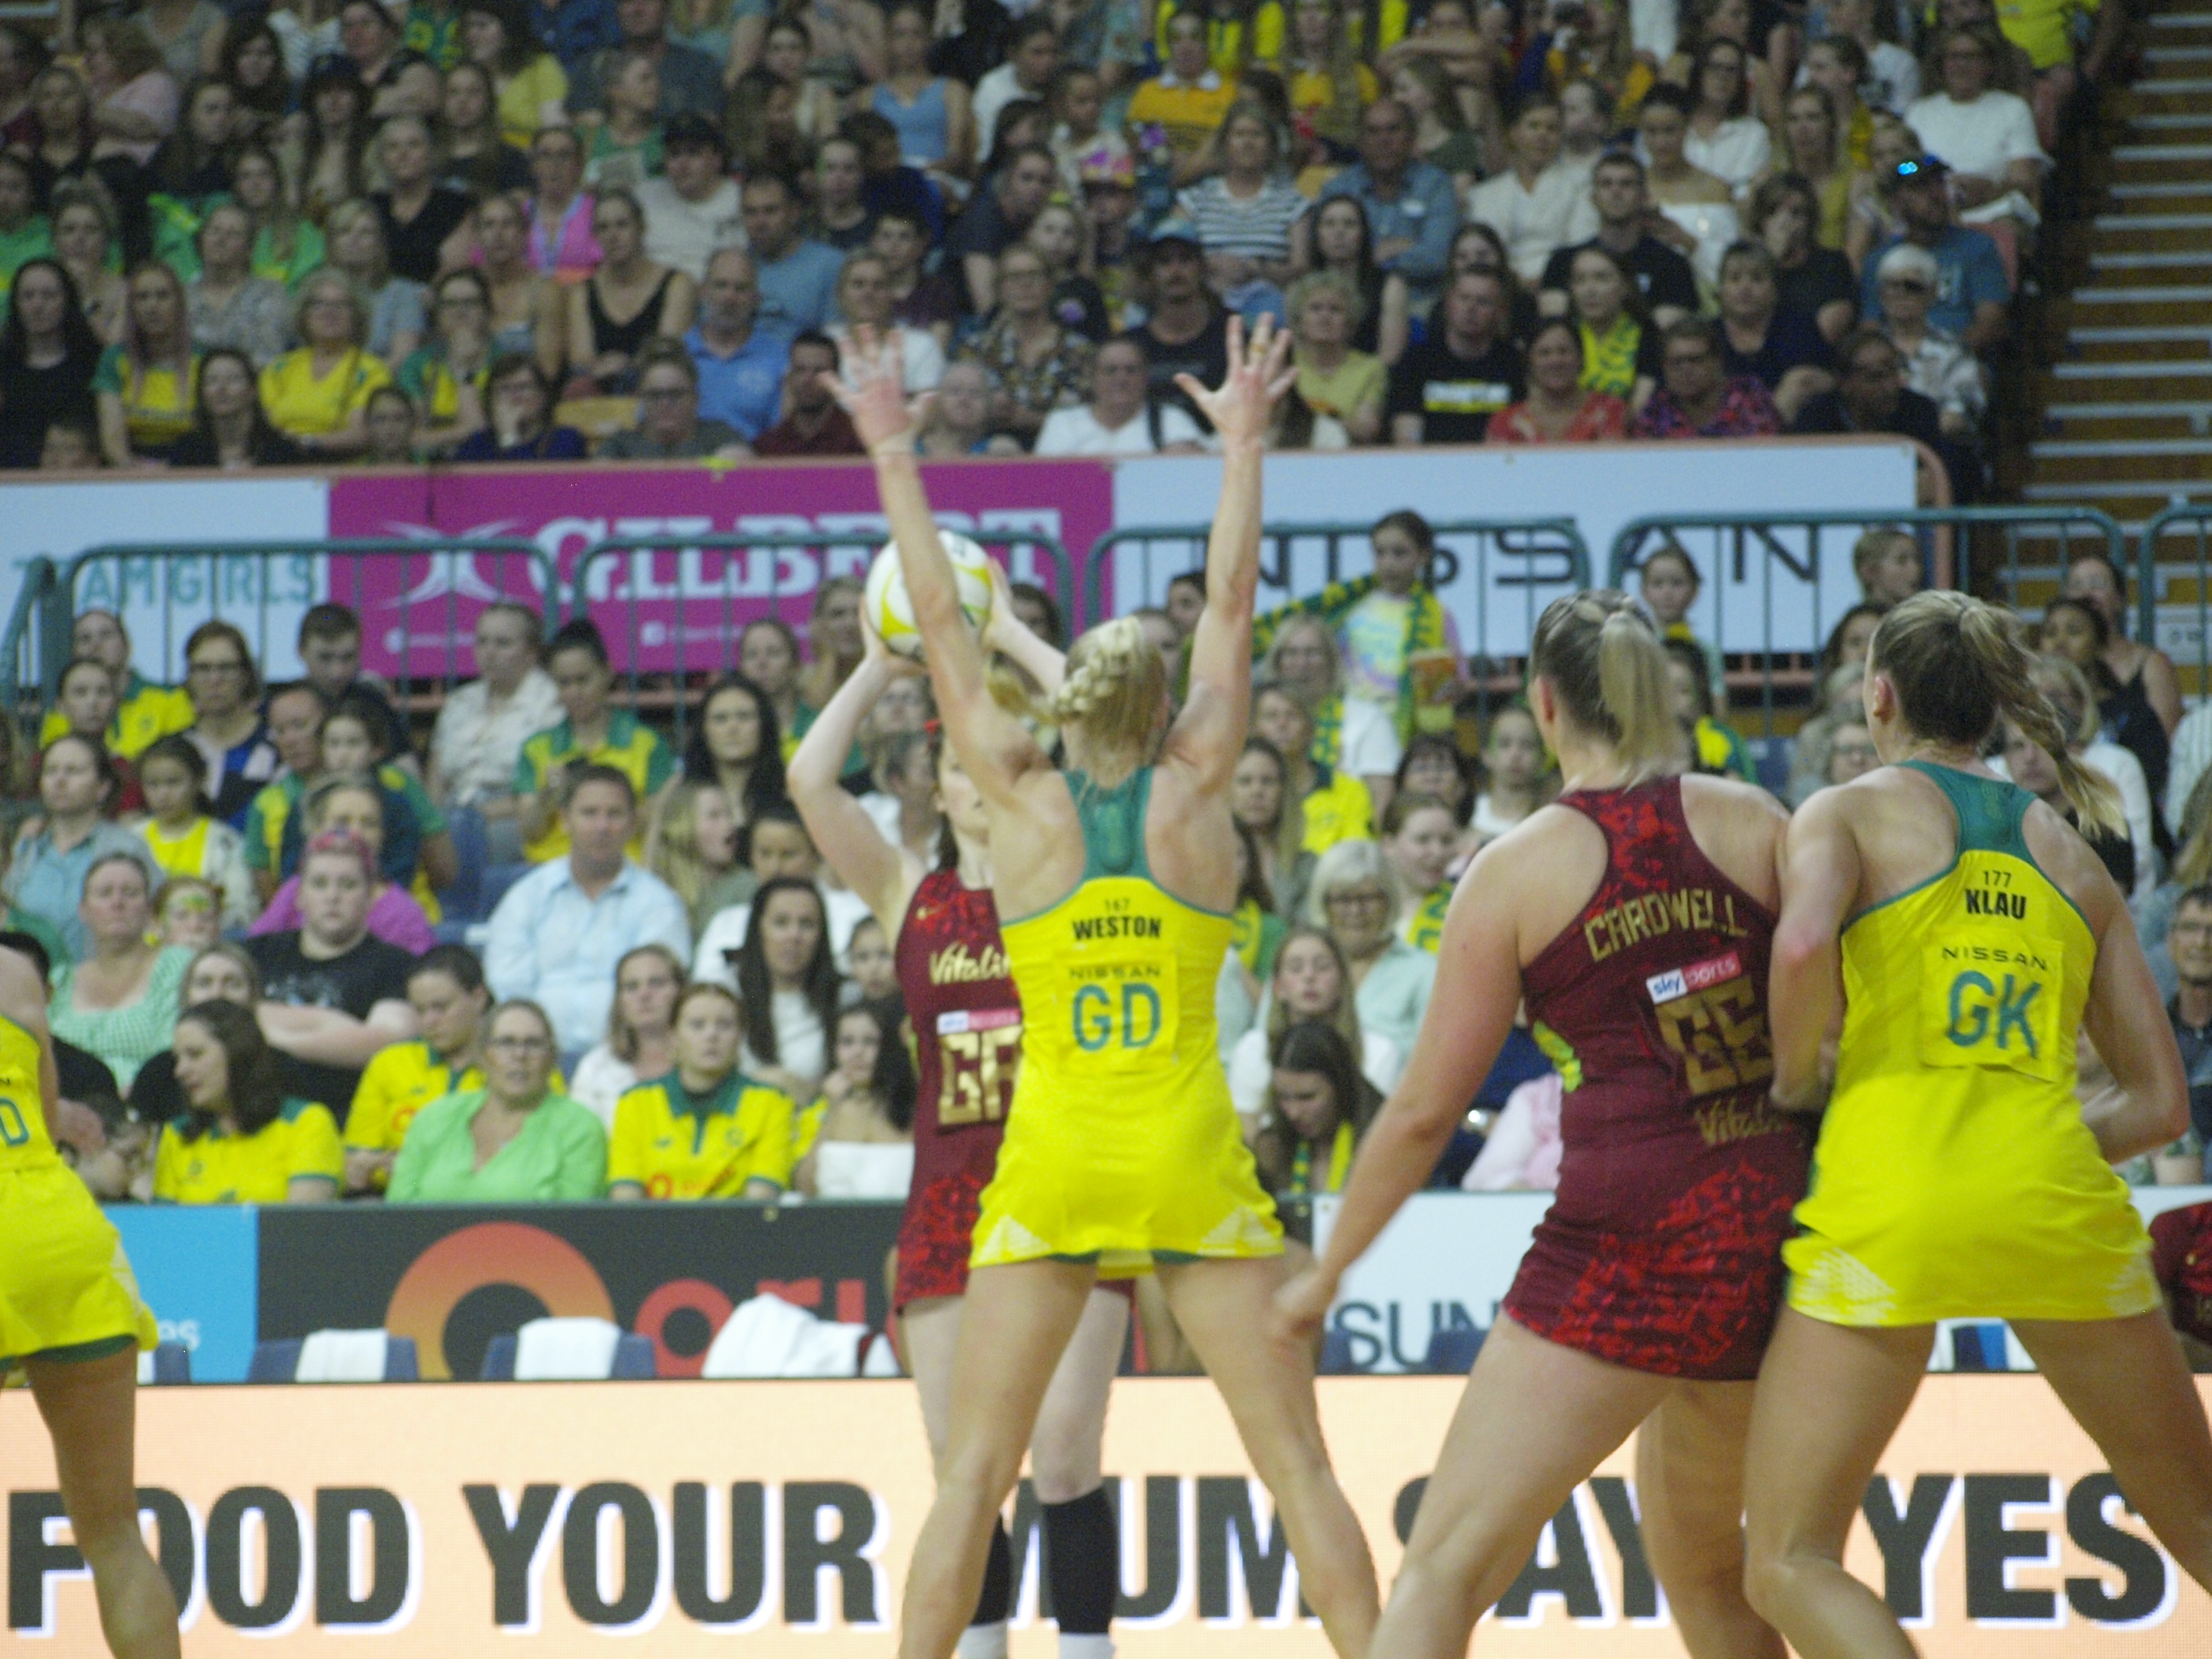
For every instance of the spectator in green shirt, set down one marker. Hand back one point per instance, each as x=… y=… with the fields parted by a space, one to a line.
x=512 y=1140
x=26 y=234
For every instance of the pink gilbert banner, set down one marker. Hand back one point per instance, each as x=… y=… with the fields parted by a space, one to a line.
x=664 y=604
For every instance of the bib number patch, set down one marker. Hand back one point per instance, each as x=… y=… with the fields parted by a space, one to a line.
x=978 y=1051
x=1990 y=998
x=1122 y=1015
x=14 y=1130
x=1717 y=1027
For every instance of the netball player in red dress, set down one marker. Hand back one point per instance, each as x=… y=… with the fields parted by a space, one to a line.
x=1634 y=916
x=966 y=1023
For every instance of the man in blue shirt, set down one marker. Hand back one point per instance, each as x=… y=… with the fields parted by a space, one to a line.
x=798 y=277
x=1971 y=295
x=741 y=363
x=1412 y=211
x=557 y=935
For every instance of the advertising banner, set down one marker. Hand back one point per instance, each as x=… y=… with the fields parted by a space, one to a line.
x=196 y=1266
x=1447 y=1259
x=777 y=1518
x=454 y=1276
x=1495 y=593
x=162 y=599
x=665 y=605
x=1444 y=1262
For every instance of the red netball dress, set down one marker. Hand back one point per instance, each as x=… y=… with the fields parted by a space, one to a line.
x=967 y=1020
x=1662 y=1250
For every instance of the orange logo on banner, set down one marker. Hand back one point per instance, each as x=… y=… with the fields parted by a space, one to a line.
x=492 y=1253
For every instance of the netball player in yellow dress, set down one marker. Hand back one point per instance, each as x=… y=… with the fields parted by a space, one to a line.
x=1966 y=933
x=1115 y=881
x=71 y=1319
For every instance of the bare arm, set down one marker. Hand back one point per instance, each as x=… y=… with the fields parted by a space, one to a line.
x=1209 y=732
x=2163 y=687
x=996 y=749
x=884 y=876
x=2124 y=1017
x=1008 y=635
x=329 y=1036
x=1820 y=876
x=1478 y=987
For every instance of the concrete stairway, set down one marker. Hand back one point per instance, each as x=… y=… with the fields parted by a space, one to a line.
x=2128 y=403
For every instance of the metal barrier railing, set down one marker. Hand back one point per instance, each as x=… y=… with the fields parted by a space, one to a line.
x=2184 y=583
x=1520 y=563
x=418 y=601
x=1966 y=546
x=679 y=610
x=28 y=646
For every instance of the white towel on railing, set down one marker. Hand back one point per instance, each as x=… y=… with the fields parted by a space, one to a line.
x=343 y=1357
x=566 y=1350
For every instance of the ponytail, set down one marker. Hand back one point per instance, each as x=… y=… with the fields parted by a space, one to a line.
x=1992 y=640
x=1598 y=652
x=1958 y=665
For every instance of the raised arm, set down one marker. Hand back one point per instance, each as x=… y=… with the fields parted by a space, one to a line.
x=1209 y=734
x=1477 y=989
x=993 y=746
x=1820 y=876
x=883 y=875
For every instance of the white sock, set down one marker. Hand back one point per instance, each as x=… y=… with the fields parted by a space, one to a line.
x=1085 y=1647
x=983 y=1642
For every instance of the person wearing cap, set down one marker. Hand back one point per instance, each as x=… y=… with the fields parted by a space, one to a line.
x=1109 y=204
x=694 y=207
x=1000 y=216
x=1187 y=332
x=741 y=365
x=1410 y=206
x=691 y=81
x=1972 y=293
x=1936 y=365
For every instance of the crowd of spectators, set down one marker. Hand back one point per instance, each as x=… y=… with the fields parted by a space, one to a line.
x=297 y=954
x=501 y=230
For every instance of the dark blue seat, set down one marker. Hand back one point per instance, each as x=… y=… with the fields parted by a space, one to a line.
x=279 y=1361
x=633 y=1359
x=168 y=1366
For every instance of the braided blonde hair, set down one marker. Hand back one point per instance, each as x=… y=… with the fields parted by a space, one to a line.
x=1113 y=690
x=1960 y=665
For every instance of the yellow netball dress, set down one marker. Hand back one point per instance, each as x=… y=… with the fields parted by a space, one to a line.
x=1122 y=1144
x=1954 y=1177
x=66 y=1289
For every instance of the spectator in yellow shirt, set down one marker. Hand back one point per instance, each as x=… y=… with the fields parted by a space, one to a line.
x=1187 y=100
x=240 y=1140
x=1335 y=805
x=445 y=989
x=145 y=712
x=705 y=1130
x=318 y=394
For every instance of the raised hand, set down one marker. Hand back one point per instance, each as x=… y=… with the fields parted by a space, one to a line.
x=873 y=389
x=1258 y=374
